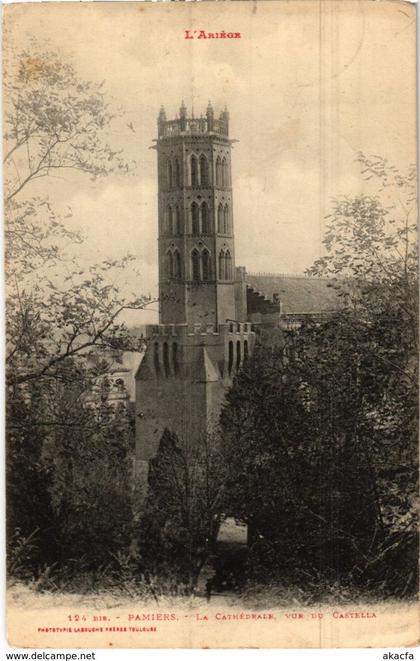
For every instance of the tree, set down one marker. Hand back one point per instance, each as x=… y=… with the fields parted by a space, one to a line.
x=58 y=313
x=328 y=432
x=293 y=481
x=372 y=254
x=69 y=467
x=54 y=122
x=183 y=509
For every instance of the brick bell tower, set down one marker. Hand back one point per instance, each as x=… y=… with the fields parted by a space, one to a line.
x=202 y=338
x=196 y=247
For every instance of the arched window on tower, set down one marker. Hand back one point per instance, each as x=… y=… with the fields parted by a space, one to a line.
x=195 y=219
x=238 y=355
x=220 y=218
x=169 y=265
x=205 y=262
x=226 y=219
x=170 y=174
x=204 y=218
x=177 y=265
x=194 y=171
x=204 y=171
x=166 y=359
x=245 y=351
x=177 y=220
x=224 y=172
x=177 y=174
x=218 y=171
x=175 y=357
x=221 y=265
x=156 y=357
x=170 y=217
x=195 y=265
x=228 y=266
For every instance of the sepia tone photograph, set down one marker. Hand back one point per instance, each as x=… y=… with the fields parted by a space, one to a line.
x=211 y=324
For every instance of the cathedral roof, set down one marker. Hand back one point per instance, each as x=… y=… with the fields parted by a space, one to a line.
x=297 y=293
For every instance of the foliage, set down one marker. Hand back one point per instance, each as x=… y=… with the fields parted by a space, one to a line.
x=371 y=252
x=69 y=463
x=294 y=481
x=184 y=504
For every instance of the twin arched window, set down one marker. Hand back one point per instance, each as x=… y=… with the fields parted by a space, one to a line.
x=173 y=220
x=199 y=171
x=222 y=173
x=199 y=219
x=238 y=355
x=173 y=265
x=225 y=265
x=200 y=265
x=223 y=225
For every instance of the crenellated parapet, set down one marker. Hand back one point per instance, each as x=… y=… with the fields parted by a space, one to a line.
x=193 y=125
x=199 y=353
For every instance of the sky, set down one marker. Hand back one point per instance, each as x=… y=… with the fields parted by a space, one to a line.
x=308 y=85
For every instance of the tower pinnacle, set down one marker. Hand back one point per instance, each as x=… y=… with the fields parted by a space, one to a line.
x=183 y=116
x=210 y=117
x=161 y=121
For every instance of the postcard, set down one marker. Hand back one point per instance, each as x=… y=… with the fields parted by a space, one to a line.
x=211 y=365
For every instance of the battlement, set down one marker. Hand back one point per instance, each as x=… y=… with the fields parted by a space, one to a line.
x=183 y=330
x=191 y=125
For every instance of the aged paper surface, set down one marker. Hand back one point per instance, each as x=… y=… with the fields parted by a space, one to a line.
x=310 y=101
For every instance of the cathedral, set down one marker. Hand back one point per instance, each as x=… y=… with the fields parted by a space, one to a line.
x=209 y=311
